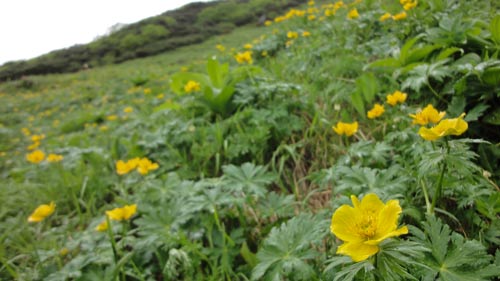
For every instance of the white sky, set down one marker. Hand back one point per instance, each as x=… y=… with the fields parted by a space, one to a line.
x=29 y=28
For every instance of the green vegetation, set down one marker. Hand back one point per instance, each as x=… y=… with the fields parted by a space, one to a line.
x=352 y=140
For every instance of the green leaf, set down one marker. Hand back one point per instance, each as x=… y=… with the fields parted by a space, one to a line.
x=358 y=103
x=248 y=256
x=248 y=179
x=452 y=257
x=217 y=72
x=476 y=112
x=289 y=247
x=495 y=29
x=367 y=84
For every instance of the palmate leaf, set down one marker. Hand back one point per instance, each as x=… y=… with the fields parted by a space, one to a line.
x=420 y=75
x=288 y=248
x=248 y=178
x=451 y=256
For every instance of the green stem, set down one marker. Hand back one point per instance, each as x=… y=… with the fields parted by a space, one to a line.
x=112 y=240
x=438 y=192
x=426 y=196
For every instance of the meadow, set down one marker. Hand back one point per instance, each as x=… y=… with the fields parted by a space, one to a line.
x=354 y=140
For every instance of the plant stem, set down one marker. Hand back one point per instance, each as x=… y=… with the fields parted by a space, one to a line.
x=437 y=193
x=426 y=196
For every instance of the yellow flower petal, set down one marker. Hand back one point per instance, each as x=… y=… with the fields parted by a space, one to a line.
x=357 y=251
x=342 y=224
x=41 y=212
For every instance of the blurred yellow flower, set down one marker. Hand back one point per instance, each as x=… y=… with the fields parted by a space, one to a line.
x=220 y=47
x=396 y=97
x=37 y=138
x=54 y=157
x=247 y=46
x=34 y=145
x=385 y=17
x=103 y=226
x=35 y=157
x=306 y=33
x=147 y=91
x=446 y=127
x=145 y=165
x=353 y=14
x=26 y=131
x=192 y=86
x=123 y=168
x=245 y=57
x=376 y=111
x=408 y=5
x=292 y=34
x=428 y=115
x=311 y=17
x=123 y=213
x=111 y=117
x=399 y=16
x=128 y=109
x=41 y=212
x=268 y=23
x=347 y=129
x=365 y=225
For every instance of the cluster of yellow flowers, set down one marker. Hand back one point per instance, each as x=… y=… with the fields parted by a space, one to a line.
x=445 y=127
x=38 y=156
x=117 y=214
x=142 y=165
x=331 y=9
x=392 y=99
x=220 y=47
x=192 y=86
x=407 y=5
x=244 y=57
x=365 y=225
x=35 y=139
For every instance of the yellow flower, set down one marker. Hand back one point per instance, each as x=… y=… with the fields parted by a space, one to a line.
x=41 y=212
x=220 y=47
x=123 y=168
x=292 y=35
x=311 y=17
x=128 y=109
x=248 y=46
x=35 y=157
x=37 y=138
x=376 y=111
x=192 y=86
x=245 y=57
x=111 y=117
x=399 y=16
x=396 y=97
x=264 y=53
x=385 y=17
x=353 y=14
x=124 y=213
x=54 y=157
x=306 y=33
x=145 y=165
x=428 y=115
x=366 y=224
x=34 y=145
x=103 y=226
x=446 y=127
x=347 y=129
x=310 y=3
x=409 y=5
x=268 y=23
x=26 y=131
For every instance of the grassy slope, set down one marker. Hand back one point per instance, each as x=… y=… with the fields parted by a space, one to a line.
x=303 y=91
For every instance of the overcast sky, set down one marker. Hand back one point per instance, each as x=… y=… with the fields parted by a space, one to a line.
x=29 y=28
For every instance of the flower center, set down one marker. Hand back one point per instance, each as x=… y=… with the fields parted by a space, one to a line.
x=368 y=227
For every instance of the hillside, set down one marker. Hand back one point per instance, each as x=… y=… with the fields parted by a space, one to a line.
x=341 y=140
x=190 y=24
